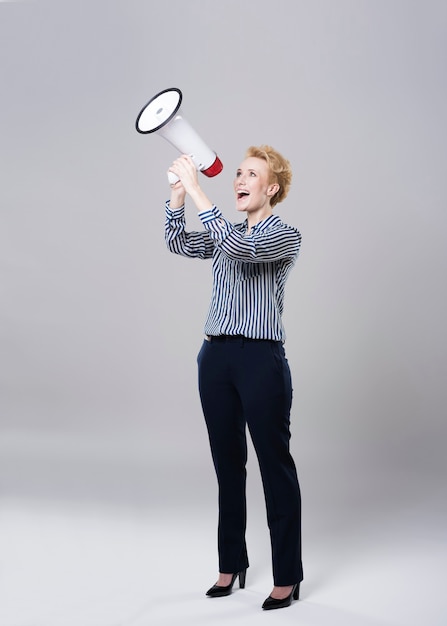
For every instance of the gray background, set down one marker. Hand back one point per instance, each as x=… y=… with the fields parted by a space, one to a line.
x=100 y=325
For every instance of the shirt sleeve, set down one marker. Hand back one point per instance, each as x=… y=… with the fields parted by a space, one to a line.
x=271 y=244
x=193 y=244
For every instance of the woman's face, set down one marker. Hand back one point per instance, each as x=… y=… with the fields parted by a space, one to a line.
x=251 y=185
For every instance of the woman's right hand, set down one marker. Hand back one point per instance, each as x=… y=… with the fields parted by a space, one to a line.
x=178 y=194
x=184 y=168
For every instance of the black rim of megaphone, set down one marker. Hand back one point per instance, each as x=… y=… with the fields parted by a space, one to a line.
x=146 y=132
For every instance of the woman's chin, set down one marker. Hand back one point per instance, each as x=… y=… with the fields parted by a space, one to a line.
x=241 y=206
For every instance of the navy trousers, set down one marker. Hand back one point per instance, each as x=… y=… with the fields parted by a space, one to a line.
x=245 y=382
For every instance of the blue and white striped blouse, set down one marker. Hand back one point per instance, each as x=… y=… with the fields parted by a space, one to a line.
x=249 y=270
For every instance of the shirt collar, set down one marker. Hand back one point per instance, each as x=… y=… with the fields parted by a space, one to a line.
x=269 y=221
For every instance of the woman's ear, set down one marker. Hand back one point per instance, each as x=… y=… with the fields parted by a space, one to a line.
x=272 y=189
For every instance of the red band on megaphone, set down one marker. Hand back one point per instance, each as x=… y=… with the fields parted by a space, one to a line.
x=213 y=169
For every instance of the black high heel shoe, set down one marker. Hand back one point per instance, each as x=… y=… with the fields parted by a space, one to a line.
x=218 y=591
x=273 y=603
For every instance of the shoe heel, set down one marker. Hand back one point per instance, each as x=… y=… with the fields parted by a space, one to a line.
x=296 y=592
x=242 y=576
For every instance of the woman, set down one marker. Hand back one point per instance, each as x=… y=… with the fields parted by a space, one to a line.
x=244 y=377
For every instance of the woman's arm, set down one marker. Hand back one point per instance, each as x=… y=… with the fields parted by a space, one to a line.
x=273 y=242
x=193 y=244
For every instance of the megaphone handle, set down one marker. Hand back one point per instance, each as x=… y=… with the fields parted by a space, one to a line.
x=173 y=178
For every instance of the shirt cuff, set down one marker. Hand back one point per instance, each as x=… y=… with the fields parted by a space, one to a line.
x=174 y=213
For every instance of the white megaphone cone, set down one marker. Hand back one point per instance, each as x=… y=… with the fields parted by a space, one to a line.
x=162 y=115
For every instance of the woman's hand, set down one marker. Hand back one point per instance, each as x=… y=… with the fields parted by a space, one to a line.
x=178 y=194
x=184 y=168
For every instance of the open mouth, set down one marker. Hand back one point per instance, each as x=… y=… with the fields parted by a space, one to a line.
x=242 y=194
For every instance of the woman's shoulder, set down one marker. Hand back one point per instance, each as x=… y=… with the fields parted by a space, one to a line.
x=279 y=225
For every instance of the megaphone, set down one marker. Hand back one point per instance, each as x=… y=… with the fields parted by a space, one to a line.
x=162 y=115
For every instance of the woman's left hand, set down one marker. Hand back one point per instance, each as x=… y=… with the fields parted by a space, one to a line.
x=185 y=169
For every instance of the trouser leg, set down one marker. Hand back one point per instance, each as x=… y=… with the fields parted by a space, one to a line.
x=266 y=394
x=226 y=429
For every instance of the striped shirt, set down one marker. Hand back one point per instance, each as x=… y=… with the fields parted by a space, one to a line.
x=249 y=270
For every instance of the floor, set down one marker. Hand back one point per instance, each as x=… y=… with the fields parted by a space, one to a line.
x=92 y=537
x=85 y=564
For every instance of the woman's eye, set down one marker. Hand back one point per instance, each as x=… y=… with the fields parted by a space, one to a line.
x=238 y=174
x=252 y=174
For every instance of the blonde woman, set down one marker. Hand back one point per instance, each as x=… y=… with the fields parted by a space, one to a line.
x=244 y=376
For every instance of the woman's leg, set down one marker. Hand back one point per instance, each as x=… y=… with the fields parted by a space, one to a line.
x=226 y=429
x=266 y=395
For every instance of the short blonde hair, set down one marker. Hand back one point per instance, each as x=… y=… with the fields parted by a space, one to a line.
x=280 y=169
